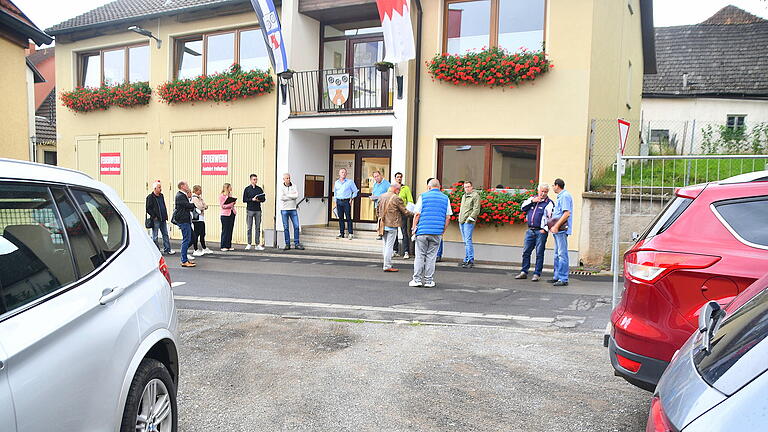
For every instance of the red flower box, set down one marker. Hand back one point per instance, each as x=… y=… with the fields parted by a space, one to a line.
x=493 y=67
x=226 y=86
x=496 y=207
x=84 y=99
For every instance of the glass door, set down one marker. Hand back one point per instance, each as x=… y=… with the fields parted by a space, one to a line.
x=368 y=165
x=348 y=162
x=369 y=86
x=360 y=167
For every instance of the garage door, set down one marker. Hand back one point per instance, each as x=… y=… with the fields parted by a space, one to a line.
x=245 y=155
x=128 y=170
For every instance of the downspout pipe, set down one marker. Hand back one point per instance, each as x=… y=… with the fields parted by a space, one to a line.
x=416 y=102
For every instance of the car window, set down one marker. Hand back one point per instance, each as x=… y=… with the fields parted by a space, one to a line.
x=87 y=257
x=740 y=333
x=104 y=220
x=34 y=258
x=743 y=218
x=666 y=217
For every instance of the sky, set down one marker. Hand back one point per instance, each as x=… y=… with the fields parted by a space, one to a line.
x=46 y=13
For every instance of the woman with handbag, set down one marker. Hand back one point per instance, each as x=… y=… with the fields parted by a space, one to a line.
x=227 y=203
x=198 y=221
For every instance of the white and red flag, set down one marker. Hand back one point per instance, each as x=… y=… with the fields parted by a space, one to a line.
x=398 y=32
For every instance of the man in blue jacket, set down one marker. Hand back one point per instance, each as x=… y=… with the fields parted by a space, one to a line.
x=538 y=210
x=433 y=212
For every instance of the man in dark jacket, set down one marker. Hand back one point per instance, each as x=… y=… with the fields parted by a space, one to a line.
x=538 y=210
x=183 y=218
x=253 y=196
x=158 y=215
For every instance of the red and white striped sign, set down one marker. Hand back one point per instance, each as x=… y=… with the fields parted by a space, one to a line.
x=109 y=163
x=215 y=162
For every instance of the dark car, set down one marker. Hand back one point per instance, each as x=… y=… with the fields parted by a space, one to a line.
x=709 y=244
x=718 y=381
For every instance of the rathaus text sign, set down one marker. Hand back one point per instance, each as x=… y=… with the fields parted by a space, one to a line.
x=376 y=143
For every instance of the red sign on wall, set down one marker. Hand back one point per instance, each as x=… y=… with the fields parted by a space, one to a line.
x=109 y=163
x=215 y=162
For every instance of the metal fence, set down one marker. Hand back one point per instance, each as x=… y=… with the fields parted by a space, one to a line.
x=644 y=184
x=334 y=90
x=672 y=138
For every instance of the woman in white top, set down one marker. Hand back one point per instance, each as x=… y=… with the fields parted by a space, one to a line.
x=198 y=221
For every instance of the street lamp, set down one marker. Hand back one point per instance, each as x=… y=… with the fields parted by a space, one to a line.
x=145 y=32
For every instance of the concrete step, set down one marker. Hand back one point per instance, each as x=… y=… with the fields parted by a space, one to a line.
x=322 y=238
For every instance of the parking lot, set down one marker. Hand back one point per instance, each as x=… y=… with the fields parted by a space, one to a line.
x=249 y=372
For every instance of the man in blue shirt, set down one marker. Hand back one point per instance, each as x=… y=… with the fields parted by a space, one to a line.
x=344 y=191
x=561 y=229
x=380 y=187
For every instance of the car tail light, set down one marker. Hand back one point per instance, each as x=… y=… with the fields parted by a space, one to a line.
x=657 y=419
x=628 y=364
x=163 y=267
x=650 y=266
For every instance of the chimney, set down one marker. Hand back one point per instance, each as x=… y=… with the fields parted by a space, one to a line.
x=685 y=80
x=31 y=49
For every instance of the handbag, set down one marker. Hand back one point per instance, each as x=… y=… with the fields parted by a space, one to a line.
x=148 y=223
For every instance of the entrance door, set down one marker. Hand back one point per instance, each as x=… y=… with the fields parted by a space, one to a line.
x=368 y=165
x=368 y=84
x=360 y=167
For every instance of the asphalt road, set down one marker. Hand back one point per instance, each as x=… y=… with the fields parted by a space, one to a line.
x=284 y=342
x=251 y=372
x=301 y=285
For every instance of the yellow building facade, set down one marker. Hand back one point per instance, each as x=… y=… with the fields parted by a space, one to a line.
x=163 y=141
x=16 y=81
x=397 y=120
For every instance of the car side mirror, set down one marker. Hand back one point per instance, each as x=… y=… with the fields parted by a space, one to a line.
x=710 y=316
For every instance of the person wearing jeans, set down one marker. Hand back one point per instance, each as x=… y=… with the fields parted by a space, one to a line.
x=227 y=218
x=470 y=208
x=158 y=214
x=538 y=210
x=289 y=211
x=562 y=228
x=344 y=191
x=183 y=218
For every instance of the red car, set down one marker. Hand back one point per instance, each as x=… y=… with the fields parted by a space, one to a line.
x=709 y=243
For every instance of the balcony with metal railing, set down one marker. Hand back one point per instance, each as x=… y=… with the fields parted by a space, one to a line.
x=341 y=91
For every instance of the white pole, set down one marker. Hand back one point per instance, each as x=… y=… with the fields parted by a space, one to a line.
x=615 y=244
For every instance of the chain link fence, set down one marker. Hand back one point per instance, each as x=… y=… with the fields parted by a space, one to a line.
x=673 y=138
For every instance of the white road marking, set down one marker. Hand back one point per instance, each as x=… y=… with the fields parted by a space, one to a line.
x=366 y=308
x=177 y=284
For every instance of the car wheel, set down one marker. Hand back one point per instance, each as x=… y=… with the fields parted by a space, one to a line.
x=151 y=403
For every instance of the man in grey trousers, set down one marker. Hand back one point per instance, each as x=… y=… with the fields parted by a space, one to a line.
x=433 y=212
x=253 y=196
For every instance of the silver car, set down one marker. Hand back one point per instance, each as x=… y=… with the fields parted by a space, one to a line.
x=87 y=320
x=718 y=380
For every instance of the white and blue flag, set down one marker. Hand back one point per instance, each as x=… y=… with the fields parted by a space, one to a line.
x=273 y=35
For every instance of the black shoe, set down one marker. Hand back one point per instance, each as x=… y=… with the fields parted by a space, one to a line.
x=560 y=283
x=469 y=264
x=463 y=264
x=287 y=247
x=439 y=259
x=299 y=247
x=552 y=281
x=340 y=236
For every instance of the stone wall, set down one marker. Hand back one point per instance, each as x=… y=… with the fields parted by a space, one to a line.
x=597 y=224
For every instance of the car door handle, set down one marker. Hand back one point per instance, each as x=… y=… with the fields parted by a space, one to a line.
x=111 y=294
